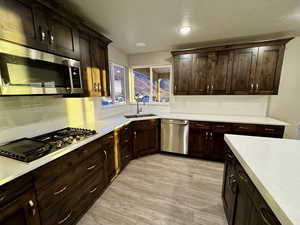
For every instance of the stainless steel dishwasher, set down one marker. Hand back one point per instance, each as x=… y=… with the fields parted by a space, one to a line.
x=174 y=136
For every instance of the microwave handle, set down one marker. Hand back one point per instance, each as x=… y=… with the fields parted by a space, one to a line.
x=71 y=88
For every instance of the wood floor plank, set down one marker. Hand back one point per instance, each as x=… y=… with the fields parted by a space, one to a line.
x=162 y=190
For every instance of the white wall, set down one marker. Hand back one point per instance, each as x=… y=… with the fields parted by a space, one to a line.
x=286 y=105
x=225 y=105
x=117 y=56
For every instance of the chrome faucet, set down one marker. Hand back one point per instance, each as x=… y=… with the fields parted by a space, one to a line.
x=139 y=98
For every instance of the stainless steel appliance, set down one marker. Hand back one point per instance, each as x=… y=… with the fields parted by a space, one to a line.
x=174 y=136
x=26 y=71
x=29 y=149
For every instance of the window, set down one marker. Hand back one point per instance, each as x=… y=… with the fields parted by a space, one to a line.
x=118 y=85
x=152 y=82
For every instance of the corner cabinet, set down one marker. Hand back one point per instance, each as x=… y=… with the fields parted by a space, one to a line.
x=241 y=69
x=94 y=63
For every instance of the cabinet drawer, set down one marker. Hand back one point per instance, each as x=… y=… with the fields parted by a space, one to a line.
x=244 y=129
x=221 y=127
x=14 y=188
x=270 y=131
x=51 y=171
x=89 y=149
x=107 y=139
x=146 y=124
x=200 y=125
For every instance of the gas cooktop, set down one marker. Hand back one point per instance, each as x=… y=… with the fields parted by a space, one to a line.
x=29 y=149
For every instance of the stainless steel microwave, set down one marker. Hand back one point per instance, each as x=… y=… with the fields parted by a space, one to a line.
x=26 y=71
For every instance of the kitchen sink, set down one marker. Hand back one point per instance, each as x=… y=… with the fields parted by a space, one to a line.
x=139 y=115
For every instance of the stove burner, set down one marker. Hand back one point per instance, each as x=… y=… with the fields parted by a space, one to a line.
x=29 y=149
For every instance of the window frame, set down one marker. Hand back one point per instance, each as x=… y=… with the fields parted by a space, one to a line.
x=131 y=89
x=112 y=79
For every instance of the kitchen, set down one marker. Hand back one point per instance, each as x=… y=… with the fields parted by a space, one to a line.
x=113 y=114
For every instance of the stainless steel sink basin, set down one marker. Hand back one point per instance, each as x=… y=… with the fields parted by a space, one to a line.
x=139 y=115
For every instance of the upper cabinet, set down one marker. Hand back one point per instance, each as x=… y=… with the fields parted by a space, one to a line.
x=244 y=69
x=36 y=26
x=94 y=63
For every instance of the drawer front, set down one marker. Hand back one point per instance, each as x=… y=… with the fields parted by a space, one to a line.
x=89 y=149
x=146 y=124
x=107 y=139
x=244 y=129
x=51 y=171
x=200 y=125
x=125 y=131
x=126 y=155
x=221 y=127
x=92 y=164
x=270 y=131
x=14 y=188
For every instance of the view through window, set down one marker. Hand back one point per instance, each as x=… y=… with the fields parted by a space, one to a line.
x=153 y=83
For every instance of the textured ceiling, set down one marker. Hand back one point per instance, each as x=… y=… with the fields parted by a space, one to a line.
x=157 y=22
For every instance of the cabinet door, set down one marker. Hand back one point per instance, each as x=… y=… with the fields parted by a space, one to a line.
x=17 y=22
x=110 y=161
x=244 y=66
x=244 y=203
x=89 y=83
x=218 y=146
x=229 y=187
x=100 y=73
x=199 y=142
x=220 y=73
x=182 y=74
x=21 y=211
x=63 y=37
x=198 y=80
x=145 y=138
x=268 y=69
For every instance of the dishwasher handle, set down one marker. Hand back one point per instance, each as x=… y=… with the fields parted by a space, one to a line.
x=177 y=122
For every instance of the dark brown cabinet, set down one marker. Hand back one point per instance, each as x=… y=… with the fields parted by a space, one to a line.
x=108 y=146
x=145 y=137
x=206 y=139
x=94 y=63
x=241 y=69
x=125 y=145
x=20 y=211
x=244 y=65
x=18 y=21
x=243 y=204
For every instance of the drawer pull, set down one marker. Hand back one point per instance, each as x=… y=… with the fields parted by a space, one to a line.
x=127 y=156
x=32 y=207
x=243 y=178
x=270 y=129
x=61 y=190
x=91 y=167
x=65 y=219
x=2 y=197
x=230 y=156
x=92 y=191
x=263 y=213
x=244 y=128
x=105 y=153
x=220 y=126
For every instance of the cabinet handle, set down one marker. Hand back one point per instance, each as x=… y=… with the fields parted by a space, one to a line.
x=65 y=219
x=252 y=87
x=212 y=88
x=32 y=207
x=211 y=136
x=244 y=128
x=233 y=185
x=51 y=38
x=220 y=126
x=206 y=135
x=269 y=129
x=230 y=156
x=99 y=87
x=105 y=153
x=95 y=87
x=91 y=167
x=257 y=87
x=134 y=134
x=92 y=191
x=61 y=190
x=175 y=88
x=263 y=215
x=2 y=197
x=207 y=88
x=243 y=178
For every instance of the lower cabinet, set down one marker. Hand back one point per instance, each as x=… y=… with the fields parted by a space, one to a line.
x=125 y=145
x=206 y=139
x=21 y=211
x=242 y=202
x=145 y=137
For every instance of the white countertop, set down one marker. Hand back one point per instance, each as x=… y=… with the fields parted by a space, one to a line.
x=11 y=169
x=273 y=165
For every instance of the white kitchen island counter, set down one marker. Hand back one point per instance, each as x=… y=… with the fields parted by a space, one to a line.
x=273 y=165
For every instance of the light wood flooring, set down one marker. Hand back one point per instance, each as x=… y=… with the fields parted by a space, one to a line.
x=162 y=190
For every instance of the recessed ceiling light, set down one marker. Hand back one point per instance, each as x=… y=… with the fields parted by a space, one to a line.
x=140 y=44
x=185 y=30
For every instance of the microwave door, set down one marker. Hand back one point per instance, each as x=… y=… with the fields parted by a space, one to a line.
x=25 y=76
